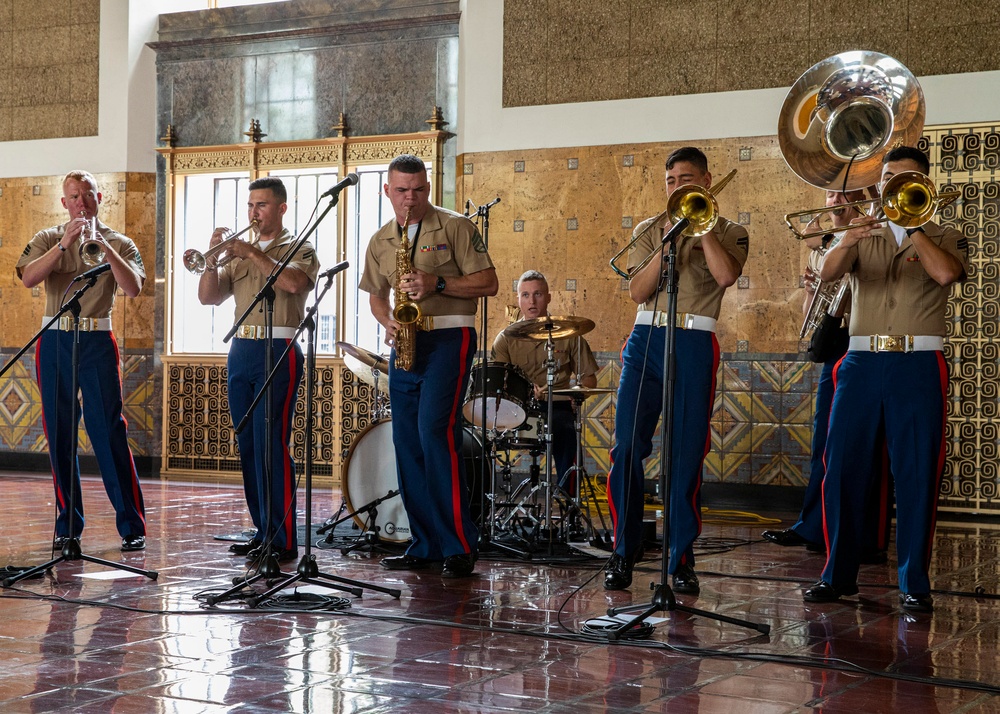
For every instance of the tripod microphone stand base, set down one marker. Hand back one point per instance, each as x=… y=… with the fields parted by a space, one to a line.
x=70 y=552
x=664 y=601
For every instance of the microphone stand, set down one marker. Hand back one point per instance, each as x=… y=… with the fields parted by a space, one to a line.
x=71 y=549
x=268 y=567
x=486 y=465
x=307 y=571
x=663 y=597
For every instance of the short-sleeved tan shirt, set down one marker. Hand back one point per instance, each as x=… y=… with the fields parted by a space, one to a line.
x=96 y=302
x=241 y=279
x=891 y=291
x=447 y=244
x=572 y=355
x=697 y=291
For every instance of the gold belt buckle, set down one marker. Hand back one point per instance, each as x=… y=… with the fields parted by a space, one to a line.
x=86 y=323
x=660 y=319
x=892 y=343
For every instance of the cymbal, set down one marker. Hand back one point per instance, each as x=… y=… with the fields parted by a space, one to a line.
x=364 y=373
x=559 y=326
x=365 y=357
x=582 y=393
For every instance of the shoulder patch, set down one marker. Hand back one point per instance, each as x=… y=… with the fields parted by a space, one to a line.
x=963 y=244
x=478 y=243
x=138 y=261
x=27 y=249
x=743 y=242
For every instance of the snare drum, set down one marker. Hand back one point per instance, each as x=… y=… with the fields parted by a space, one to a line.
x=508 y=393
x=369 y=473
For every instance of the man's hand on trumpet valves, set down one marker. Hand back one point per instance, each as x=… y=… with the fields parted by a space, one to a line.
x=809 y=280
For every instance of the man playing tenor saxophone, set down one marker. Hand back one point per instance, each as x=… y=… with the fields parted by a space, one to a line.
x=446 y=269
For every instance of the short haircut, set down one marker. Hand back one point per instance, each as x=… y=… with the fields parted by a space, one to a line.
x=82 y=176
x=407 y=164
x=529 y=275
x=274 y=184
x=690 y=154
x=902 y=153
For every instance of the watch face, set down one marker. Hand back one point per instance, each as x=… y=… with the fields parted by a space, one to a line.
x=440 y=284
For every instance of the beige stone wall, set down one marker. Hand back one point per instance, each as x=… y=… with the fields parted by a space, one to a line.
x=48 y=68
x=566 y=212
x=589 y=50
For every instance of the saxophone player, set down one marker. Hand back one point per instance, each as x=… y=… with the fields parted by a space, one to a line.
x=446 y=269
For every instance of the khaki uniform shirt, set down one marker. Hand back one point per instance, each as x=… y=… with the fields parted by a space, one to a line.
x=892 y=293
x=241 y=279
x=447 y=244
x=572 y=356
x=96 y=302
x=697 y=291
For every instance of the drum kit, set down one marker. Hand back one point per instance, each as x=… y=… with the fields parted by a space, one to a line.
x=504 y=420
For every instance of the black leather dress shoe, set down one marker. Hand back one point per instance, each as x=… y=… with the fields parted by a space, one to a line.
x=458 y=566
x=787 y=537
x=245 y=548
x=685 y=581
x=618 y=573
x=133 y=542
x=284 y=555
x=824 y=592
x=405 y=562
x=916 y=603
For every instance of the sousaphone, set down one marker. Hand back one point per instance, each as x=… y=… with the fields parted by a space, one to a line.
x=844 y=114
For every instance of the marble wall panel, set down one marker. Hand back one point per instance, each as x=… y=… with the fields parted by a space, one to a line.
x=549 y=57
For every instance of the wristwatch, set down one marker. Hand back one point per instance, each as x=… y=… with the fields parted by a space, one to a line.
x=440 y=285
x=911 y=231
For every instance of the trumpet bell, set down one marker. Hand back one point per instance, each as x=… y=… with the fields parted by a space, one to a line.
x=92 y=253
x=843 y=113
x=194 y=261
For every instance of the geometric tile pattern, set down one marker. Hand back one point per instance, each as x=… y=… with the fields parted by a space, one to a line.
x=21 y=428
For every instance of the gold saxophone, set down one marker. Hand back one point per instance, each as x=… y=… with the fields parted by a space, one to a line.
x=405 y=312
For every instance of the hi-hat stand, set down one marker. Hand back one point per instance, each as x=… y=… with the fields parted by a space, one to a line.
x=663 y=599
x=71 y=548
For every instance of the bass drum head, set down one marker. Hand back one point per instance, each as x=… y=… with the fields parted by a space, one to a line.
x=369 y=474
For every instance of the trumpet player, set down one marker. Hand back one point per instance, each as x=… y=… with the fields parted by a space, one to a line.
x=706 y=266
x=247 y=267
x=55 y=256
x=445 y=270
x=893 y=379
x=808 y=529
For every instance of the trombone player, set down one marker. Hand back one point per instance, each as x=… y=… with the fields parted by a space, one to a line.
x=706 y=266
x=56 y=256
x=808 y=529
x=893 y=378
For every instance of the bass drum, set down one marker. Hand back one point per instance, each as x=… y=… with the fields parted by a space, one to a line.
x=369 y=473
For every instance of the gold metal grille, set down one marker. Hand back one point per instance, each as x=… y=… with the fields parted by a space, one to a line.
x=200 y=443
x=966 y=157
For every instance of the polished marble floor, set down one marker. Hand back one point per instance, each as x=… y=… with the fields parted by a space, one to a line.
x=87 y=638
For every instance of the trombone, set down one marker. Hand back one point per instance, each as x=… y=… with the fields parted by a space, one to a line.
x=695 y=203
x=195 y=261
x=908 y=199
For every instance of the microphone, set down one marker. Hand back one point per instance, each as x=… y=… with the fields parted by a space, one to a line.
x=339 y=266
x=350 y=180
x=93 y=272
x=675 y=230
x=468 y=207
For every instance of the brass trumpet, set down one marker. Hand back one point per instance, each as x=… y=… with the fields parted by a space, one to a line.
x=908 y=199
x=695 y=203
x=91 y=247
x=195 y=261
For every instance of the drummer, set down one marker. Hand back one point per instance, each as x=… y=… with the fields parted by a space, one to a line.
x=573 y=358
